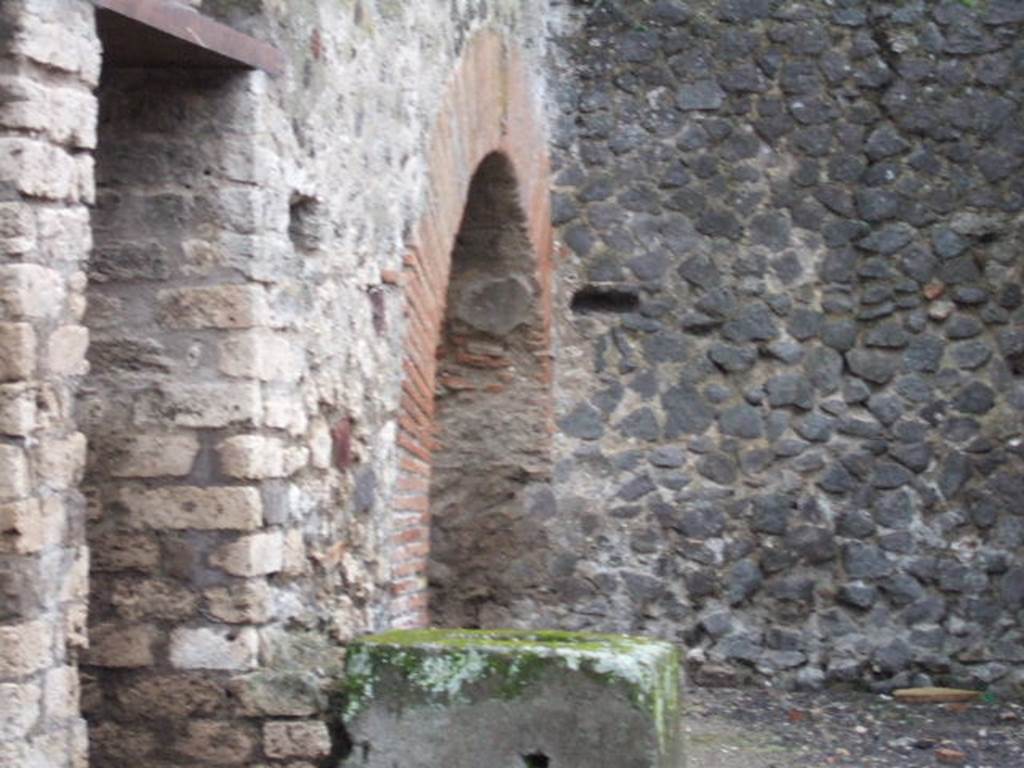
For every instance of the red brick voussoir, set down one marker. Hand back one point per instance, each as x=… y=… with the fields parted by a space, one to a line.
x=491 y=104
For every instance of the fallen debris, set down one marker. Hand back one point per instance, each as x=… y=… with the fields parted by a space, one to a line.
x=950 y=756
x=935 y=695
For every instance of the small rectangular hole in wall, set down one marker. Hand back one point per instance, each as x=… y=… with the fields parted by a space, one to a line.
x=605 y=298
x=536 y=760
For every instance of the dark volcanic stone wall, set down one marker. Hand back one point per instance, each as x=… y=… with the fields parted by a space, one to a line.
x=792 y=366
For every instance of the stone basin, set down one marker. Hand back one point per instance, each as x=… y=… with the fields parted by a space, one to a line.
x=457 y=698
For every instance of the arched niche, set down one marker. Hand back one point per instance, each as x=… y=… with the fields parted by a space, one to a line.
x=491 y=406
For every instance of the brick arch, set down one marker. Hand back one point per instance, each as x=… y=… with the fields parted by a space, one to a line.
x=491 y=106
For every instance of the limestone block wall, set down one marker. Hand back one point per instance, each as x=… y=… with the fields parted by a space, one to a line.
x=47 y=132
x=790 y=371
x=192 y=416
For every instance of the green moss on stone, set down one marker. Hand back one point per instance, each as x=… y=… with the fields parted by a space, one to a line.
x=439 y=665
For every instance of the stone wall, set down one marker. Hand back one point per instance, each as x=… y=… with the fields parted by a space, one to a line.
x=262 y=247
x=194 y=427
x=788 y=347
x=47 y=129
x=792 y=341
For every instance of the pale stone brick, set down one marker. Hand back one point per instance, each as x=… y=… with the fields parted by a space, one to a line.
x=295 y=458
x=66 y=115
x=169 y=455
x=64 y=234
x=78 y=281
x=203 y=406
x=32 y=524
x=202 y=257
x=17 y=221
x=17 y=351
x=21 y=527
x=19 y=709
x=242 y=210
x=14 y=476
x=117 y=644
x=60 y=35
x=17 y=410
x=214 y=648
x=285 y=411
x=256 y=457
x=61 y=693
x=218 y=743
x=321 y=444
x=39 y=169
x=182 y=507
x=305 y=738
x=77 y=306
x=76 y=117
x=295 y=560
x=78 y=744
x=219 y=306
x=59 y=463
x=57 y=747
x=252 y=456
x=75 y=579
x=285 y=304
x=76 y=624
x=154 y=599
x=259 y=554
x=22 y=754
x=24 y=648
x=28 y=291
x=246 y=603
x=262 y=355
x=55 y=520
x=65 y=350
x=85 y=178
x=55 y=404
x=52 y=747
x=244 y=161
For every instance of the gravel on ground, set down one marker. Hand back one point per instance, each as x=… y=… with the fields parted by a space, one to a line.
x=765 y=728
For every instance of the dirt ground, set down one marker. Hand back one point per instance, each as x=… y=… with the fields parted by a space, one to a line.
x=758 y=728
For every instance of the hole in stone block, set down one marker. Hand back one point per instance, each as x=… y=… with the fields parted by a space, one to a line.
x=304 y=222
x=1016 y=364
x=536 y=760
x=604 y=298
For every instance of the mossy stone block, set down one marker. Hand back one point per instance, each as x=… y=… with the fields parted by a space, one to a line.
x=511 y=699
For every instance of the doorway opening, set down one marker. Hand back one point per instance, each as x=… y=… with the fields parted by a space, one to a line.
x=172 y=607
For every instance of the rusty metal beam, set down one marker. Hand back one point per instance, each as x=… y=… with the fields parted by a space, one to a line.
x=153 y=33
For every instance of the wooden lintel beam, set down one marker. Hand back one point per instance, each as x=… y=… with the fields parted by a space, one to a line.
x=158 y=33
